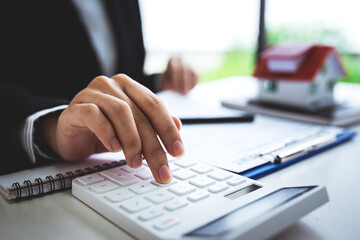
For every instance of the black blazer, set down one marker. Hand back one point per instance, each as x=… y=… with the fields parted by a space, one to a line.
x=46 y=58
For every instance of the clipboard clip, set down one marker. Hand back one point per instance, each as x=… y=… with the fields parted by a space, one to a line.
x=305 y=148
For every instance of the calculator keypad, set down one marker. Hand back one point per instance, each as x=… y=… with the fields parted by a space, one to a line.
x=136 y=192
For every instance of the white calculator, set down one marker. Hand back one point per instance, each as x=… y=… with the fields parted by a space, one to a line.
x=201 y=202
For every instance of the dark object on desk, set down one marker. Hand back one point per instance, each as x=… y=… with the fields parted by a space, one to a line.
x=192 y=111
x=241 y=117
x=338 y=115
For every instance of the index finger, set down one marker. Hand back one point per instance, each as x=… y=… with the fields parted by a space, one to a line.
x=151 y=148
x=156 y=113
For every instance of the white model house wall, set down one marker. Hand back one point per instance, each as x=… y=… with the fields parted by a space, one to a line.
x=321 y=91
x=283 y=92
x=316 y=94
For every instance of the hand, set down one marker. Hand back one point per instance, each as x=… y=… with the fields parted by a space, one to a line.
x=113 y=114
x=178 y=77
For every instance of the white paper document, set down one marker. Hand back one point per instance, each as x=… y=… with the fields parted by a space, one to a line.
x=241 y=146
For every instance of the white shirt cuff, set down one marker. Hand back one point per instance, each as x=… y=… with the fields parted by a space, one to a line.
x=27 y=132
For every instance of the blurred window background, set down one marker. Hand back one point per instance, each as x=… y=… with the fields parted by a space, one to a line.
x=219 y=37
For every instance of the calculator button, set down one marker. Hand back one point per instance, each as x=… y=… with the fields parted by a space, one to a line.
x=135 y=205
x=112 y=172
x=185 y=163
x=219 y=175
x=202 y=181
x=184 y=174
x=142 y=188
x=128 y=169
x=173 y=167
x=167 y=223
x=115 y=170
x=197 y=196
x=159 y=197
x=119 y=195
x=176 y=204
x=90 y=179
x=236 y=181
x=121 y=177
x=173 y=181
x=150 y=214
x=218 y=188
x=181 y=189
x=202 y=168
x=144 y=174
x=103 y=187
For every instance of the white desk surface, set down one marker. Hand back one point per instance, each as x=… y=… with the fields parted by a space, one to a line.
x=61 y=216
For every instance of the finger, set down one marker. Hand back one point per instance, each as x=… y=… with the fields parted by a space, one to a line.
x=152 y=149
x=84 y=121
x=192 y=80
x=92 y=117
x=100 y=148
x=195 y=78
x=173 y=74
x=156 y=112
x=177 y=122
x=167 y=77
x=188 y=81
x=181 y=76
x=121 y=117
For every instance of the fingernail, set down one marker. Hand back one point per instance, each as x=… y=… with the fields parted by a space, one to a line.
x=136 y=162
x=178 y=148
x=165 y=174
x=115 y=145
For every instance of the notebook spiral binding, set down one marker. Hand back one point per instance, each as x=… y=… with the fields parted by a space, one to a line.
x=61 y=178
x=18 y=189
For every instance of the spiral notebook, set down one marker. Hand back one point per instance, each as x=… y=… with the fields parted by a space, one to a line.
x=54 y=177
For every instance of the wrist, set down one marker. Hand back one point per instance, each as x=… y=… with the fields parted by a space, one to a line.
x=47 y=126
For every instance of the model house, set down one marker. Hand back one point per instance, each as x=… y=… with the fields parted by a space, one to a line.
x=301 y=76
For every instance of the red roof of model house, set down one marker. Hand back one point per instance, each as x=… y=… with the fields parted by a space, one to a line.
x=301 y=62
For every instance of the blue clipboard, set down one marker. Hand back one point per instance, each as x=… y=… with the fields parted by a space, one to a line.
x=266 y=169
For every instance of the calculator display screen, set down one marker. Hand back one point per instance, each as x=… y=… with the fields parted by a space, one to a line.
x=242 y=192
x=249 y=211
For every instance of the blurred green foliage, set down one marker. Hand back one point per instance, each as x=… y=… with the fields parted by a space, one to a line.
x=241 y=61
x=352 y=67
x=236 y=62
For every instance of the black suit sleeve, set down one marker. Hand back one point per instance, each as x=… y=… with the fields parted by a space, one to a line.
x=127 y=25
x=46 y=58
x=19 y=75
x=16 y=103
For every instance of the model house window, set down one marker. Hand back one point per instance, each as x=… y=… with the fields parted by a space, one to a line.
x=331 y=85
x=313 y=88
x=324 y=70
x=271 y=86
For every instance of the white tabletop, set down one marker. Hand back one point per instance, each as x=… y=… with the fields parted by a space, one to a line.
x=61 y=216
